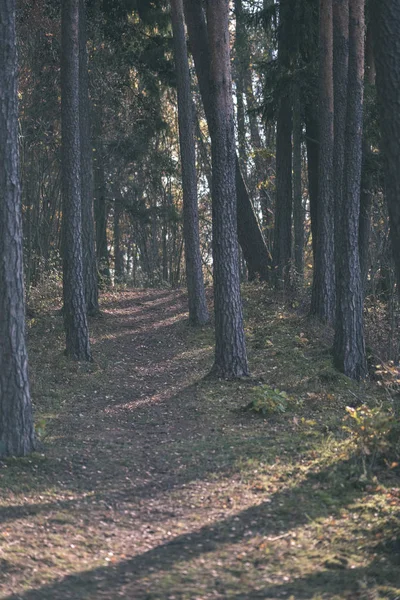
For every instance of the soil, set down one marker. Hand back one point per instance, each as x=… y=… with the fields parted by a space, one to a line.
x=154 y=483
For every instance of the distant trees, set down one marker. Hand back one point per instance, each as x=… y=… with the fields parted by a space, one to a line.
x=17 y=436
x=299 y=105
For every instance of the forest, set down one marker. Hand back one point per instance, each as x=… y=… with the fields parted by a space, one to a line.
x=199 y=299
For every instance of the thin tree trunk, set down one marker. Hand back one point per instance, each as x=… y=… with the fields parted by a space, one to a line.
x=75 y=321
x=17 y=436
x=312 y=143
x=230 y=349
x=198 y=312
x=282 y=251
x=323 y=292
x=298 y=210
x=88 y=232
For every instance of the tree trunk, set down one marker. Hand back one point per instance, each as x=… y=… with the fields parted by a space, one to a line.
x=239 y=83
x=312 y=143
x=198 y=312
x=298 y=210
x=349 y=345
x=118 y=254
x=323 y=292
x=88 y=233
x=230 y=350
x=284 y=201
x=250 y=237
x=16 y=422
x=386 y=16
x=101 y=210
x=75 y=321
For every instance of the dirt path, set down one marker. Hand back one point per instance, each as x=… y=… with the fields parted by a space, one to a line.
x=154 y=486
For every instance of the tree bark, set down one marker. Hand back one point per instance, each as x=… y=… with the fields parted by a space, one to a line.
x=250 y=237
x=282 y=251
x=312 y=143
x=75 y=320
x=87 y=191
x=349 y=345
x=230 y=349
x=198 y=312
x=298 y=210
x=16 y=422
x=323 y=292
x=386 y=17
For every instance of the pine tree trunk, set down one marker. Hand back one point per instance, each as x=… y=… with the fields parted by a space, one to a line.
x=250 y=237
x=87 y=192
x=16 y=422
x=282 y=252
x=349 y=345
x=323 y=292
x=312 y=137
x=198 y=312
x=75 y=320
x=298 y=210
x=230 y=348
x=118 y=254
x=386 y=16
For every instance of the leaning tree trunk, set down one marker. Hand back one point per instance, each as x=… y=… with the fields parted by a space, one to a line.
x=16 y=422
x=386 y=16
x=198 y=312
x=349 y=345
x=75 y=320
x=251 y=240
x=230 y=348
x=88 y=231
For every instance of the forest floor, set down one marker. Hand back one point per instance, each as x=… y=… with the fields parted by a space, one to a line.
x=157 y=483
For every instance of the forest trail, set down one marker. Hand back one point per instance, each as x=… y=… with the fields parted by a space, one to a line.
x=154 y=484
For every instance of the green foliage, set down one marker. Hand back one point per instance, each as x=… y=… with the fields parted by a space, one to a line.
x=373 y=431
x=268 y=400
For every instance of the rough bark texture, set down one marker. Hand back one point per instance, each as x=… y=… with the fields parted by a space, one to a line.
x=198 y=312
x=239 y=83
x=75 y=321
x=284 y=201
x=349 y=345
x=88 y=232
x=298 y=210
x=230 y=348
x=323 y=292
x=16 y=422
x=312 y=136
x=251 y=240
x=386 y=16
x=101 y=208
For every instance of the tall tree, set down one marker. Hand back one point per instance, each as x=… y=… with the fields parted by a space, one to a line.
x=323 y=292
x=16 y=422
x=230 y=348
x=88 y=232
x=386 y=16
x=284 y=193
x=75 y=320
x=349 y=345
x=198 y=312
x=250 y=237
